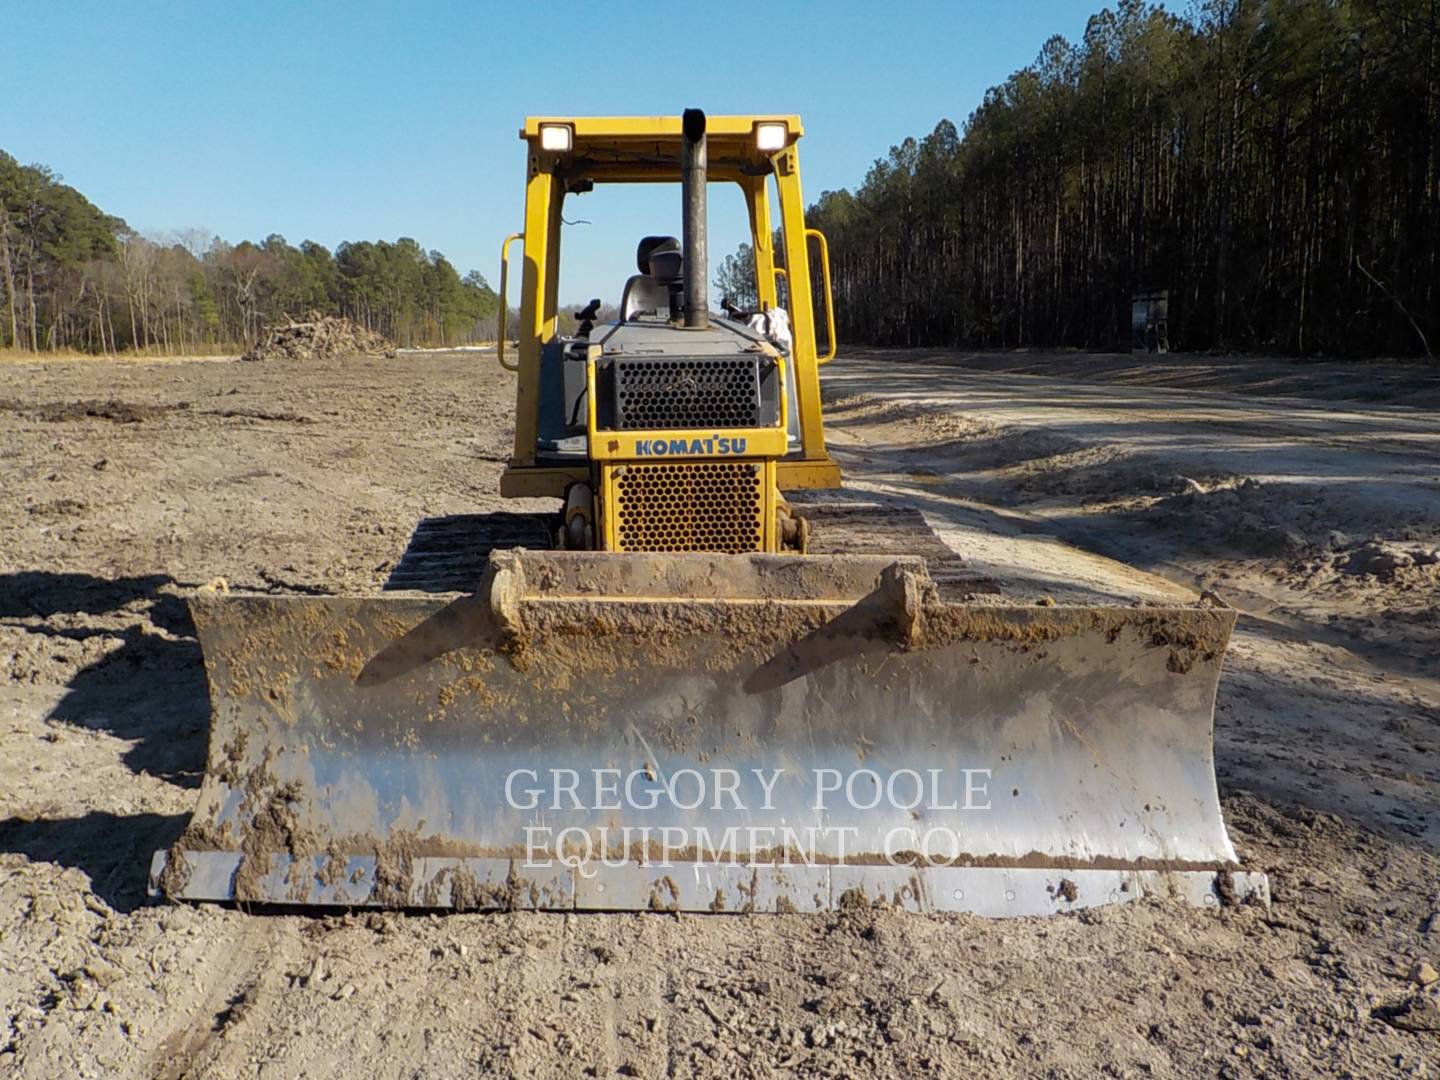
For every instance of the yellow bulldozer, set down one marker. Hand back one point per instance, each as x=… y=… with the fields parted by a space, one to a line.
x=710 y=679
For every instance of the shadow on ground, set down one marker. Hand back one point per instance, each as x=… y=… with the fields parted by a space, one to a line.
x=452 y=553
x=150 y=691
x=114 y=850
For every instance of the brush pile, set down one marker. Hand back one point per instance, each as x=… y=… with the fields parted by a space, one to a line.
x=316 y=338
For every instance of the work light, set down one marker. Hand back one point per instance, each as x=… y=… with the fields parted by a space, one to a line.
x=557 y=138
x=770 y=137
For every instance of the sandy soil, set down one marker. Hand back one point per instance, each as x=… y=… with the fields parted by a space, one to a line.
x=126 y=485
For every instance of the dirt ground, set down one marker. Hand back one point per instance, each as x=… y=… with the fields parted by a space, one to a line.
x=1316 y=513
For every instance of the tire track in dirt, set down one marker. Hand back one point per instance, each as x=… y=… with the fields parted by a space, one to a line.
x=243 y=981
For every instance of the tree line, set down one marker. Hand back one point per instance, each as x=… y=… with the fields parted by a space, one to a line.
x=73 y=277
x=1274 y=164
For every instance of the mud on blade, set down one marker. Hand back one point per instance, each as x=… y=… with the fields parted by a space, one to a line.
x=705 y=732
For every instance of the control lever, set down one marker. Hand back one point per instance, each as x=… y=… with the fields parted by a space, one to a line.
x=587 y=318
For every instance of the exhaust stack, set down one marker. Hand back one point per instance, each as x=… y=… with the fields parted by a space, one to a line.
x=692 y=185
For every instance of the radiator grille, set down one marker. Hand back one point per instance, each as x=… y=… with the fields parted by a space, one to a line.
x=687 y=393
x=709 y=506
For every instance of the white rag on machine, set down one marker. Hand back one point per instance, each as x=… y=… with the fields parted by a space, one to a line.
x=775 y=325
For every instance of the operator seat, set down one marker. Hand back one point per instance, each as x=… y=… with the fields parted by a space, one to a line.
x=655 y=290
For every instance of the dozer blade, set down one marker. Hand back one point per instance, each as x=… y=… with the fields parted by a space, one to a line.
x=706 y=733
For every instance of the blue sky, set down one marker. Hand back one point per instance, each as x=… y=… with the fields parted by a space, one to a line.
x=362 y=120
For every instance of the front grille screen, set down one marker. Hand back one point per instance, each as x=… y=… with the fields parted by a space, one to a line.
x=701 y=506
x=708 y=392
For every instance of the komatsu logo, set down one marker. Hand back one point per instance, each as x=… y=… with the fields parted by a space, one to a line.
x=715 y=444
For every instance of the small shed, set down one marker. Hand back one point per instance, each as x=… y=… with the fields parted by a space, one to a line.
x=1150 y=321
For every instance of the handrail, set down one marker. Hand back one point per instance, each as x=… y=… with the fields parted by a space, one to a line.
x=829 y=296
x=504 y=279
